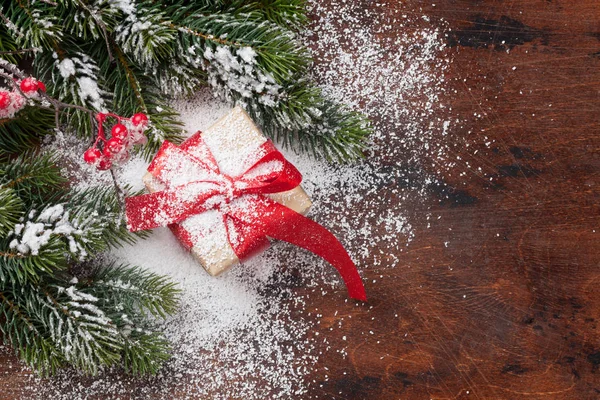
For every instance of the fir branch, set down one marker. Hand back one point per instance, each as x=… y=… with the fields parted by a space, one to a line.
x=101 y=24
x=176 y=46
x=33 y=348
x=34 y=177
x=18 y=267
x=99 y=210
x=82 y=325
x=80 y=331
x=24 y=130
x=144 y=353
x=32 y=24
x=100 y=322
x=137 y=290
x=341 y=134
x=290 y=14
x=279 y=52
x=11 y=209
x=147 y=39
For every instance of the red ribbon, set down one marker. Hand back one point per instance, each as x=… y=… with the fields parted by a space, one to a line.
x=194 y=184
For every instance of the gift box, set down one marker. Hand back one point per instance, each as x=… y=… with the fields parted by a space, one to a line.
x=232 y=140
x=225 y=191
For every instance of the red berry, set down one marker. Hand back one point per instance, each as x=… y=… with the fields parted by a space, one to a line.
x=139 y=119
x=119 y=131
x=104 y=164
x=41 y=86
x=113 y=145
x=92 y=155
x=29 y=85
x=4 y=99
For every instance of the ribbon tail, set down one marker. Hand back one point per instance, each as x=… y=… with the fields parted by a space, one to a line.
x=282 y=223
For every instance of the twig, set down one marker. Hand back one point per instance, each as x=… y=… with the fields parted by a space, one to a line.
x=11 y=68
x=32 y=50
x=7 y=21
x=10 y=25
x=120 y=192
x=11 y=80
x=57 y=105
x=102 y=26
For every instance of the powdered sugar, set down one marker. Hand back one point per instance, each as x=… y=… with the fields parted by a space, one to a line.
x=238 y=73
x=90 y=92
x=391 y=68
x=66 y=67
x=234 y=340
x=85 y=70
x=53 y=221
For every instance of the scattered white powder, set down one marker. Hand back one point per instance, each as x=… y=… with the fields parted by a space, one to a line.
x=124 y=5
x=31 y=236
x=86 y=71
x=90 y=92
x=391 y=68
x=236 y=336
x=66 y=68
x=238 y=73
x=248 y=54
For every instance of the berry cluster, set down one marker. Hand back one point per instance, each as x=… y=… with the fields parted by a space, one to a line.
x=125 y=134
x=13 y=101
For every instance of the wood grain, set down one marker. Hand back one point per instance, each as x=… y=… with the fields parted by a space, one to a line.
x=498 y=298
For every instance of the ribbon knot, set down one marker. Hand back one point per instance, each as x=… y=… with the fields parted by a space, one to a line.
x=195 y=184
x=235 y=188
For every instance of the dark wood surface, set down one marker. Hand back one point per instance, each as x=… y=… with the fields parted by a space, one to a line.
x=500 y=300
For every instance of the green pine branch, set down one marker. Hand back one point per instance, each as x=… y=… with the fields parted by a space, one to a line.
x=291 y=110
x=98 y=212
x=248 y=51
x=279 y=52
x=144 y=291
x=11 y=209
x=144 y=353
x=32 y=25
x=24 y=130
x=16 y=266
x=79 y=324
x=34 y=177
x=31 y=346
x=52 y=318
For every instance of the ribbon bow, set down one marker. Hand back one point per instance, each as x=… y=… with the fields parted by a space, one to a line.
x=194 y=184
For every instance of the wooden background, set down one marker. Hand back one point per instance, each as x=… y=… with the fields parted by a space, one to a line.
x=508 y=307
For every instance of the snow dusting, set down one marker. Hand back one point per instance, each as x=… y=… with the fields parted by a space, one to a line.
x=85 y=70
x=237 y=73
x=66 y=67
x=29 y=237
x=244 y=334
